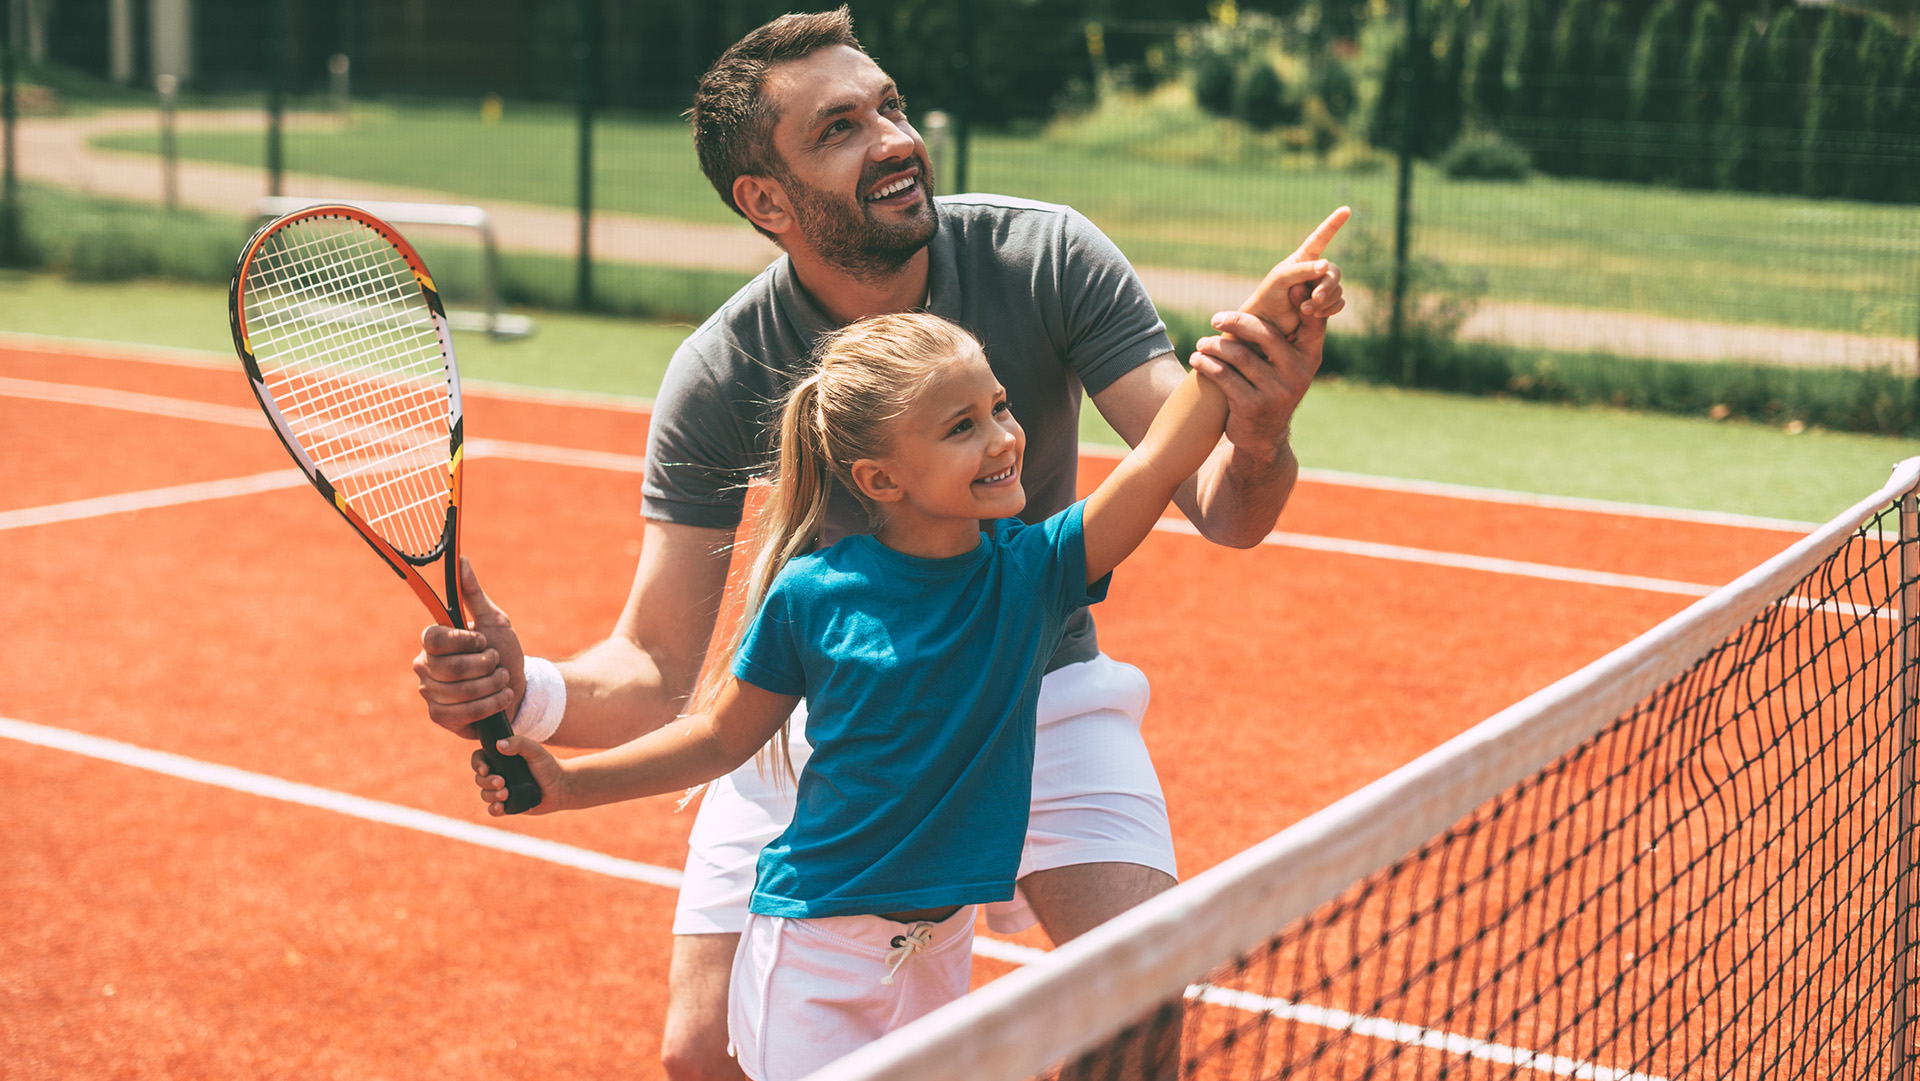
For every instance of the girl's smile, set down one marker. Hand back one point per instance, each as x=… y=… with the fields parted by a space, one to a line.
x=954 y=460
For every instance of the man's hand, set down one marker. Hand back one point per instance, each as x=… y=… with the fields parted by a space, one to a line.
x=467 y=676
x=1264 y=376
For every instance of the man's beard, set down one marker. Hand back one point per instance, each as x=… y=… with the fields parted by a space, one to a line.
x=849 y=236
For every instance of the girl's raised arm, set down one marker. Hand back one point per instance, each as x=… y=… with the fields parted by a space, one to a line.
x=1121 y=512
x=689 y=751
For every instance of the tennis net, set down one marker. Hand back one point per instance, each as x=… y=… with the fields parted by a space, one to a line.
x=1694 y=858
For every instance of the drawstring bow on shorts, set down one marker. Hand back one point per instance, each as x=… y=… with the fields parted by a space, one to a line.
x=905 y=946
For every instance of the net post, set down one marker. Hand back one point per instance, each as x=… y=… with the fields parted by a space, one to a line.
x=1909 y=701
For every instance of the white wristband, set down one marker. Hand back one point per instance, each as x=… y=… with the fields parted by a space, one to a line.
x=545 y=701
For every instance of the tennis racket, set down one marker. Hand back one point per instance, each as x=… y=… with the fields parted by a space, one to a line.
x=346 y=346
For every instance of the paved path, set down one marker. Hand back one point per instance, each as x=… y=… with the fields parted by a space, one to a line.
x=55 y=151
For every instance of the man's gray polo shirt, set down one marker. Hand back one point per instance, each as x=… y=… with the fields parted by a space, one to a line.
x=1053 y=302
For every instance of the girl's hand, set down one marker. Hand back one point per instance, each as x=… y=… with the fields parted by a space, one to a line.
x=548 y=773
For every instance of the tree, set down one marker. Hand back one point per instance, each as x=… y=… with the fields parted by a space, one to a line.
x=1907 y=123
x=1879 y=66
x=1383 y=122
x=1605 y=143
x=1446 y=103
x=1571 y=92
x=1833 y=92
x=1705 y=73
x=1782 y=111
x=1333 y=85
x=1532 y=72
x=1658 y=70
x=1487 y=88
x=1737 y=166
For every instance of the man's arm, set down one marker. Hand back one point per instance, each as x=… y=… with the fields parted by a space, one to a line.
x=632 y=683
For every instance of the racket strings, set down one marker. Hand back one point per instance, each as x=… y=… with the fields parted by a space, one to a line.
x=349 y=352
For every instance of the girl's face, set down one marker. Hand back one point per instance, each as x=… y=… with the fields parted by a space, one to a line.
x=955 y=456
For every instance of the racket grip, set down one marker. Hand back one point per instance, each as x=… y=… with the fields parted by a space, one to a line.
x=523 y=792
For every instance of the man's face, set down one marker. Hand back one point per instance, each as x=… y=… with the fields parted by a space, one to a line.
x=855 y=171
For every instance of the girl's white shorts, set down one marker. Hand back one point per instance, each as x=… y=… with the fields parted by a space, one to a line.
x=1096 y=799
x=807 y=992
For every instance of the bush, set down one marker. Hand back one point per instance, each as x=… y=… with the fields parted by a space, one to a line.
x=1845 y=399
x=1485 y=156
x=1213 y=85
x=1263 y=100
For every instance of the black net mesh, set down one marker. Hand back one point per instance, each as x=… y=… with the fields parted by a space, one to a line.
x=1717 y=885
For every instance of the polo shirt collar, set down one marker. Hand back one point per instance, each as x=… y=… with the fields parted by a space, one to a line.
x=808 y=323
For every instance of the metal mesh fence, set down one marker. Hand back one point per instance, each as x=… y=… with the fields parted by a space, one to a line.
x=1669 y=182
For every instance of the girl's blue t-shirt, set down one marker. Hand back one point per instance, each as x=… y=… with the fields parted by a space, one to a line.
x=921 y=678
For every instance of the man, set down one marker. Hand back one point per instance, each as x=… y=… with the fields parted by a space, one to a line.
x=804 y=136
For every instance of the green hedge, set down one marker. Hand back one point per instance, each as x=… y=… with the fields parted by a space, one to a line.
x=1844 y=399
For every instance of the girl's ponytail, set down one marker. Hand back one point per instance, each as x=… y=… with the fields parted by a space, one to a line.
x=788 y=526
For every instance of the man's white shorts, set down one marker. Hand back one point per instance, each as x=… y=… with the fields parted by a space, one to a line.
x=805 y=993
x=1096 y=799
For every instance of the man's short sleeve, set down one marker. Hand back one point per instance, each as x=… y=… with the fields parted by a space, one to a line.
x=1112 y=327
x=700 y=453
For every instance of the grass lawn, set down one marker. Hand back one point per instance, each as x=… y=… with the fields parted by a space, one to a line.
x=1833 y=265
x=1596 y=453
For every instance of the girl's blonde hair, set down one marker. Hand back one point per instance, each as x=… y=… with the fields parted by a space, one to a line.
x=863 y=378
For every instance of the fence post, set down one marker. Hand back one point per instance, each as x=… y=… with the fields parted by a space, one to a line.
x=276 y=91
x=1409 y=120
x=963 y=62
x=587 y=51
x=168 y=87
x=10 y=254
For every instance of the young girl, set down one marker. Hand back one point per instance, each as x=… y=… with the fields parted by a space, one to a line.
x=918 y=651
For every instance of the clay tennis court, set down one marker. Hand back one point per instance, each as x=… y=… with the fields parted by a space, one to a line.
x=171 y=918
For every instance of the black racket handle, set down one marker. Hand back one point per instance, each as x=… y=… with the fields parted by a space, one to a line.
x=523 y=792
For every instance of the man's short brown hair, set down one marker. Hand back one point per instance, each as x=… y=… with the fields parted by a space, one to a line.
x=732 y=123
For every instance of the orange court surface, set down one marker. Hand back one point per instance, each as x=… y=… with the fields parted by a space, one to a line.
x=303 y=883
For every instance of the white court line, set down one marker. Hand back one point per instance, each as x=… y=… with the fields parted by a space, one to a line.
x=153 y=404
x=150 y=498
x=1412 y=1035
x=549 y=455
x=393 y=814
x=1489 y=564
x=1553 y=502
